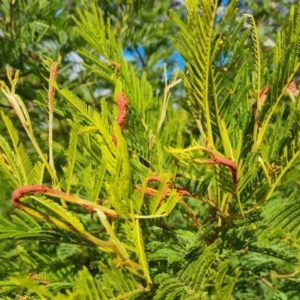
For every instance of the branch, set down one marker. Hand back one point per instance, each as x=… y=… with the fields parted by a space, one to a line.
x=44 y=190
x=140 y=57
x=219 y=160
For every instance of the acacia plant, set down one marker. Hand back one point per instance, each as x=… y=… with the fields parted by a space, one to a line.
x=143 y=207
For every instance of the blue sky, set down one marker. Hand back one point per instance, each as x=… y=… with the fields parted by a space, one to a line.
x=175 y=56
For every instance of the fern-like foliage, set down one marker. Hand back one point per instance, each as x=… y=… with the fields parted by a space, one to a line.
x=139 y=204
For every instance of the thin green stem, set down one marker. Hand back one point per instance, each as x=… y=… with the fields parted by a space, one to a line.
x=275 y=184
x=218 y=119
x=265 y=170
x=239 y=201
x=220 y=132
x=118 y=248
x=23 y=115
x=165 y=102
x=266 y=122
